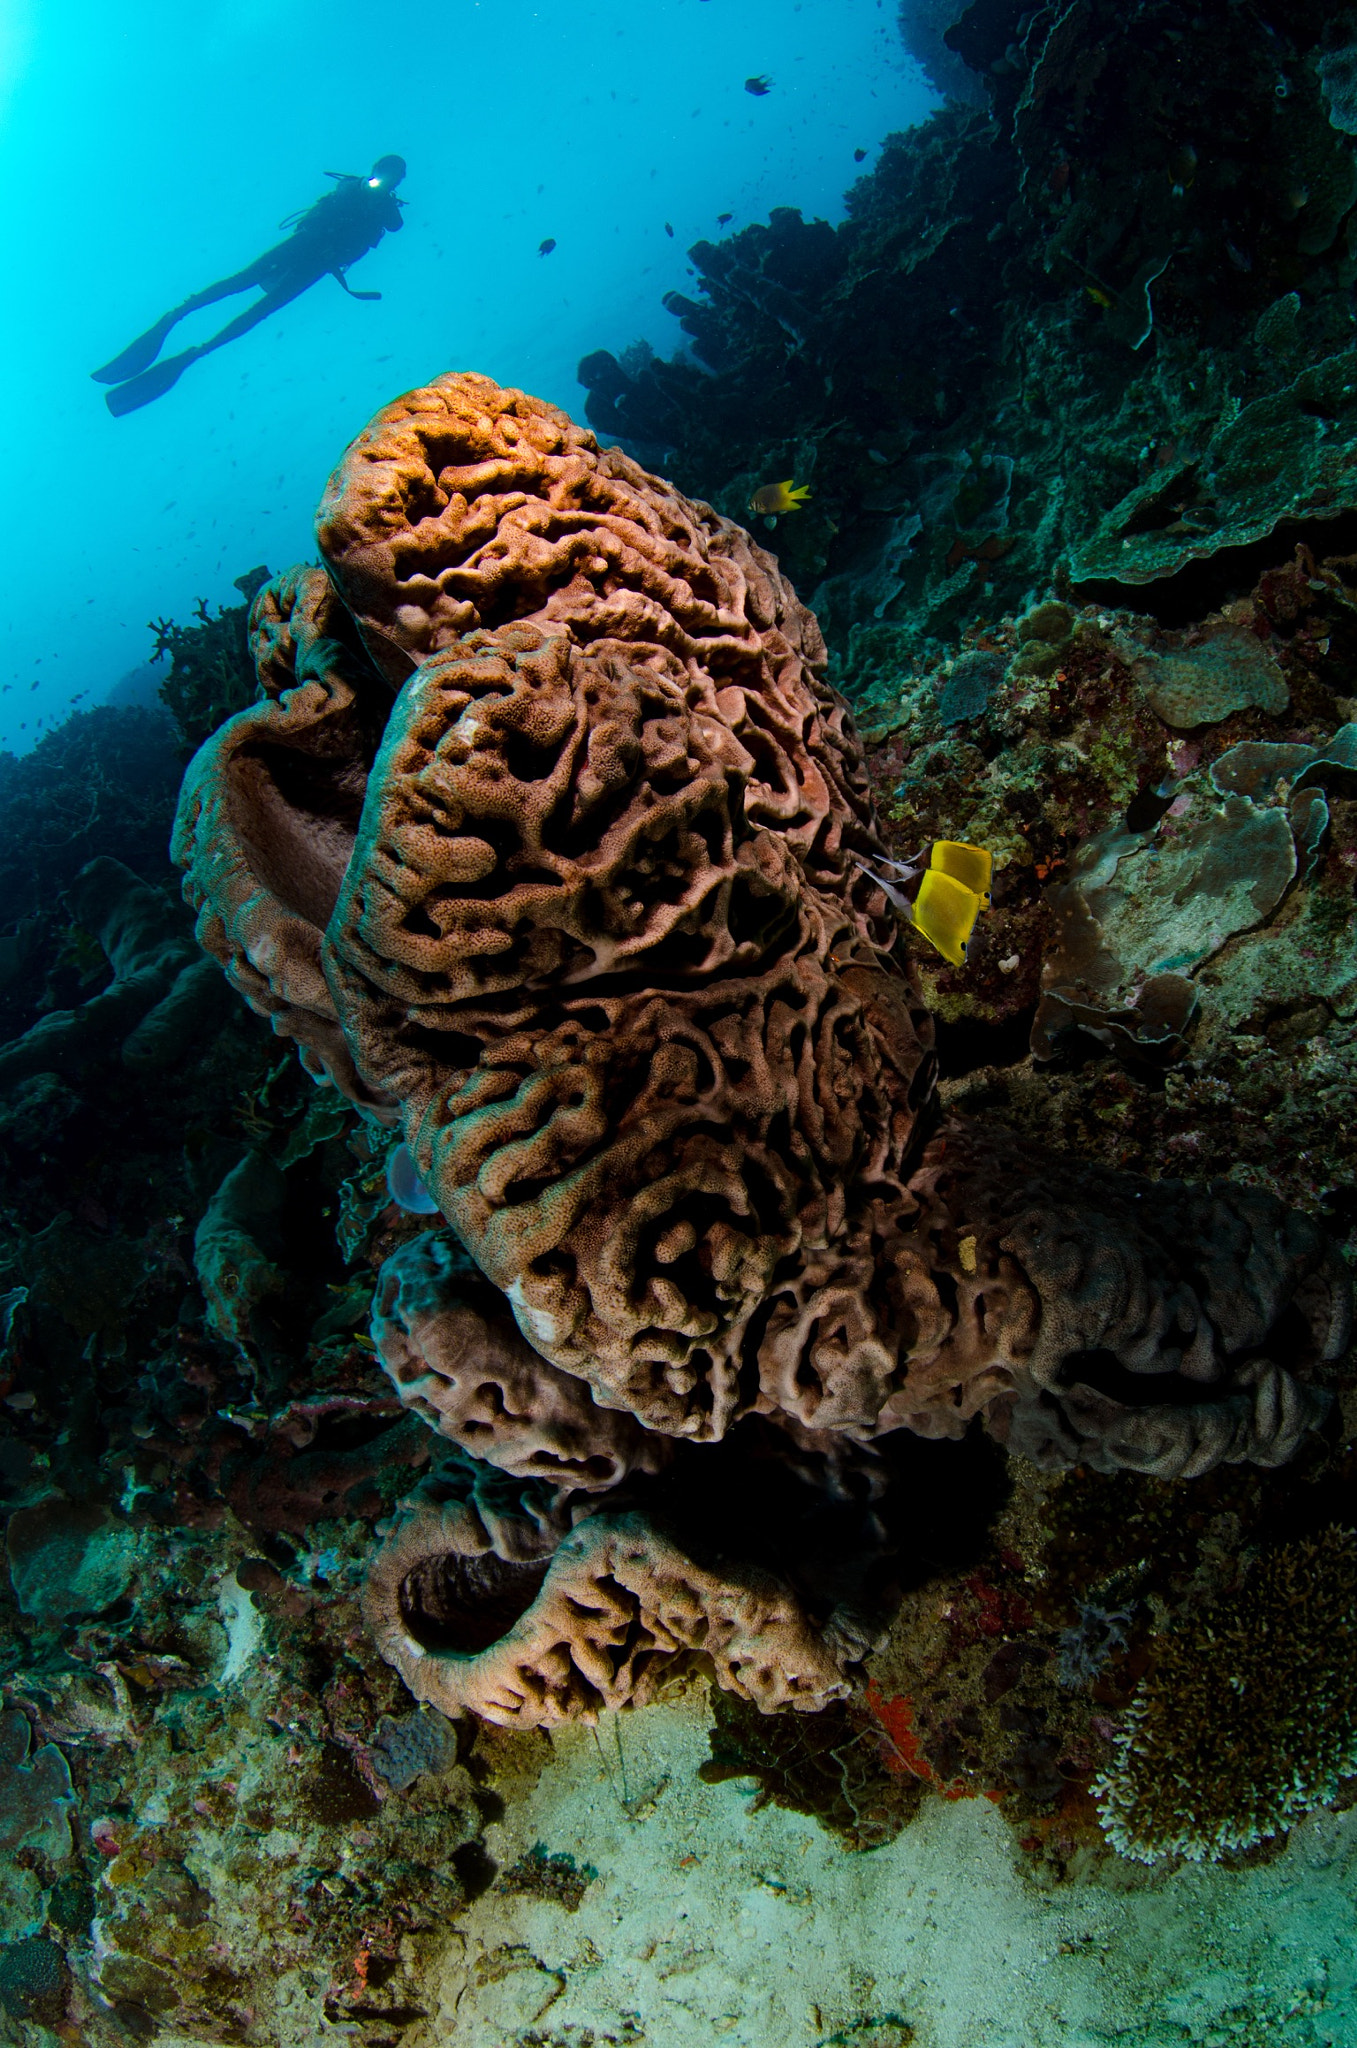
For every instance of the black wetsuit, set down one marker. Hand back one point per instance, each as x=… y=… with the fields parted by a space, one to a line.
x=328 y=238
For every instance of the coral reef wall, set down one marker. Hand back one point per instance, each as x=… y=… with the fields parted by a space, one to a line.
x=1098 y=329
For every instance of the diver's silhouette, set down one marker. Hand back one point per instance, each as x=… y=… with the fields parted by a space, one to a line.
x=329 y=236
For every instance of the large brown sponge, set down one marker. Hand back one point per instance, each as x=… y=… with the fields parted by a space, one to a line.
x=457 y=1358
x=495 y=1618
x=269 y=811
x=581 y=903
x=603 y=935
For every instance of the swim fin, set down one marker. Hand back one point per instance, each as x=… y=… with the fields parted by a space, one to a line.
x=137 y=356
x=152 y=383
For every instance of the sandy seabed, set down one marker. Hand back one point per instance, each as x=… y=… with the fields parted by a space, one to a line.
x=713 y=1918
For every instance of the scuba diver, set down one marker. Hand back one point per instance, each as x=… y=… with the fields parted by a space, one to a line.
x=325 y=240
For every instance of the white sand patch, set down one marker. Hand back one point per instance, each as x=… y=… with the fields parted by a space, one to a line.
x=712 y=1921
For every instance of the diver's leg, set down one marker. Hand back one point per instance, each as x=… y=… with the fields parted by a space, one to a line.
x=262 y=272
x=279 y=295
x=141 y=353
x=161 y=377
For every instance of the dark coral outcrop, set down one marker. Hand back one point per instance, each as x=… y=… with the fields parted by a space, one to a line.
x=162 y=996
x=1099 y=329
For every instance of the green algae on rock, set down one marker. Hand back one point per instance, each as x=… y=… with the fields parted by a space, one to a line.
x=1136 y=916
x=69 y=1557
x=37 y=1793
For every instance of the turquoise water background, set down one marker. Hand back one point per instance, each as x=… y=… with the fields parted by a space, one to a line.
x=148 y=149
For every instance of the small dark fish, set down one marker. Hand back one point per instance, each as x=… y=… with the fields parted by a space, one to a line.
x=547 y=246
x=859 y=156
x=1182 y=168
x=33 y=686
x=759 y=86
x=669 y=231
x=722 y=218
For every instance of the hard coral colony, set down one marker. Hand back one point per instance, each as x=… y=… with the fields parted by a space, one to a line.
x=551 y=847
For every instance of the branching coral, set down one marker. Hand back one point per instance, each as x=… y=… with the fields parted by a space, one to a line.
x=211 y=670
x=583 y=905
x=1245 y=1718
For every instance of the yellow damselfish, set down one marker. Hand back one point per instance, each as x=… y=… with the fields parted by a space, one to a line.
x=772 y=499
x=952 y=894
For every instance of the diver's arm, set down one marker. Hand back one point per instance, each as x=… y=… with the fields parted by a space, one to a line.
x=340 y=278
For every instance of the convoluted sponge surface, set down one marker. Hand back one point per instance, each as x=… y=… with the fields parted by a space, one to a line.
x=603 y=934
x=547 y=838
x=456 y=1358
x=488 y=1616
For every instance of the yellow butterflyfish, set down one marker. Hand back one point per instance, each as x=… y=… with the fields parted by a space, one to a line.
x=945 y=911
x=968 y=864
x=773 y=499
x=954 y=890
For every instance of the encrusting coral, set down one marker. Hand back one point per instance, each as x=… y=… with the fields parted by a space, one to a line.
x=545 y=838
